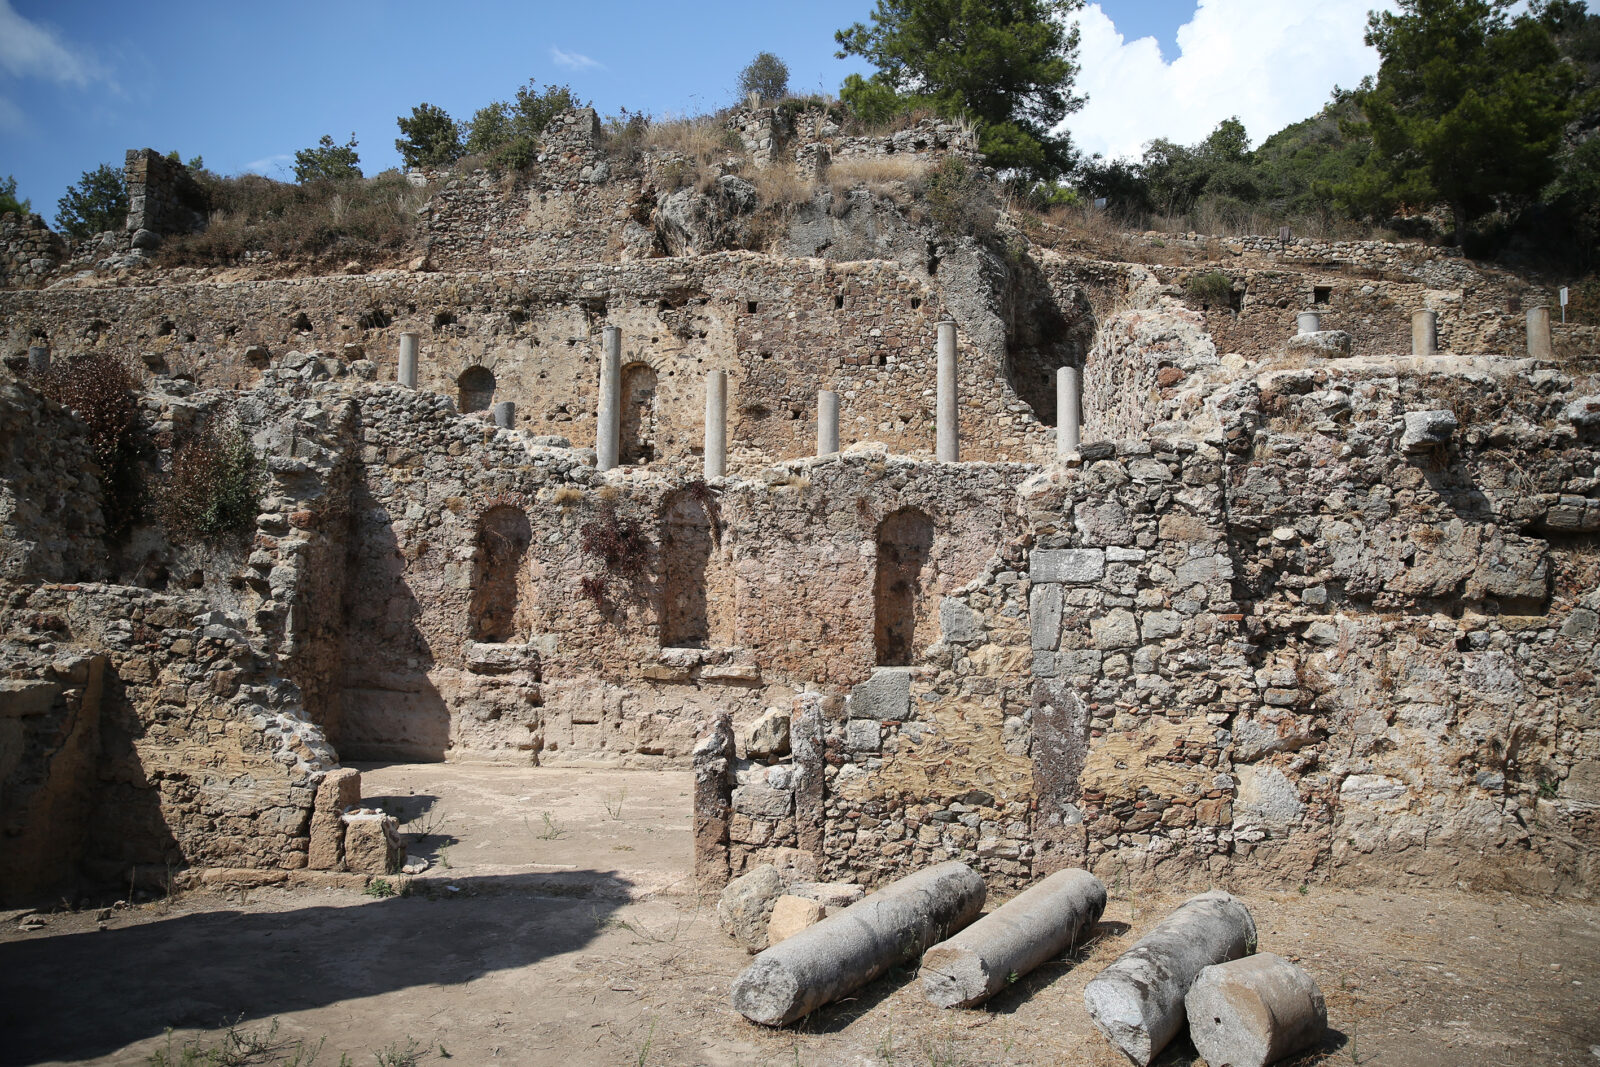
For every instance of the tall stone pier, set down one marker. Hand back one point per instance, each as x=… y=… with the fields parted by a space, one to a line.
x=827 y=422
x=407 y=373
x=608 y=424
x=1424 y=333
x=716 y=424
x=1069 y=410
x=947 y=441
x=1539 y=344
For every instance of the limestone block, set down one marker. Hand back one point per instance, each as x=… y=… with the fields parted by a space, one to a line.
x=958 y=623
x=372 y=844
x=768 y=736
x=831 y=895
x=863 y=735
x=1325 y=344
x=1117 y=628
x=886 y=696
x=1266 y=798
x=1427 y=430
x=1044 y=616
x=1073 y=565
x=790 y=915
x=339 y=789
x=760 y=801
x=1584 y=412
x=1159 y=624
x=745 y=907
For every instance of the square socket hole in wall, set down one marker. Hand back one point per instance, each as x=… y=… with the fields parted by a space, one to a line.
x=750 y=307
x=838 y=303
x=1321 y=294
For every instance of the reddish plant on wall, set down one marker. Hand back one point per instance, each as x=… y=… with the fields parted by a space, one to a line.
x=99 y=391
x=593 y=587
x=616 y=541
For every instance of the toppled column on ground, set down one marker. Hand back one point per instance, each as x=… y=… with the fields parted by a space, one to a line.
x=1254 y=1011
x=846 y=951
x=1037 y=924
x=1137 y=1002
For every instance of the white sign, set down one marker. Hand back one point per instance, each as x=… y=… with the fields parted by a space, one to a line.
x=1563 y=296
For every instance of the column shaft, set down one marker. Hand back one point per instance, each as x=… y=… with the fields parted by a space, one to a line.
x=827 y=422
x=947 y=440
x=1069 y=407
x=716 y=424
x=608 y=424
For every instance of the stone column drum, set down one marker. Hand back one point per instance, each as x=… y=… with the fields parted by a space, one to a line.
x=407 y=373
x=38 y=359
x=1309 y=321
x=827 y=422
x=1254 y=1011
x=1424 y=333
x=608 y=424
x=947 y=442
x=716 y=424
x=1069 y=410
x=505 y=415
x=1539 y=344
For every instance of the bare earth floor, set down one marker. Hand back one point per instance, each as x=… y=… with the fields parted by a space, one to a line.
x=558 y=925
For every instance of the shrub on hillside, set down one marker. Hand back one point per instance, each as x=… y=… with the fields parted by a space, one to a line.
x=213 y=489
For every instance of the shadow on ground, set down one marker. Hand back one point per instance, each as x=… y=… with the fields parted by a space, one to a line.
x=80 y=995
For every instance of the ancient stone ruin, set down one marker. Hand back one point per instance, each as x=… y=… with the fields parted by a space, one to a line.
x=914 y=547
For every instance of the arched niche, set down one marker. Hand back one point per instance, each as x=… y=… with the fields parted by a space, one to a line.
x=475 y=388
x=696 y=593
x=503 y=538
x=638 y=443
x=905 y=546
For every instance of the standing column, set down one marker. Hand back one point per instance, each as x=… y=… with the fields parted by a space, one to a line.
x=1309 y=321
x=1069 y=406
x=716 y=424
x=827 y=422
x=38 y=359
x=947 y=437
x=407 y=375
x=505 y=415
x=1539 y=346
x=1424 y=333
x=608 y=426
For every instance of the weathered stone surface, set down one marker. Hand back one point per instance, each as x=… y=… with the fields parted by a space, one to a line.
x=1036 y=925
x=831 y=895
x=886 y=696
x=1254 y=1011
x=762 y=801
x=745 y=907
x=1137 y=1002
x=958 y=623
x=339 y=789
x=768 y=736
x=1324 y=344
x=847 y=950
x=1073 y=565
x=372 y=844
x=790 y=915
x=1427 y=430
x=1044 y=616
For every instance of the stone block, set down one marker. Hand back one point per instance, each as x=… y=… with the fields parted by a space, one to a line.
x=863 y=735
x=831 y=895
x=372 y=844
x=958 y=623
x=768 y=736
x=1117 y=628
x=1072 y=565
x=790 y=915
x=760 y=801
x=1427 y=430
x=1160 y=624
x=1266 y=798
x=1044 y=616
x=745 y=907
x=1325 y=344
x=885 y=697
x=339 y=789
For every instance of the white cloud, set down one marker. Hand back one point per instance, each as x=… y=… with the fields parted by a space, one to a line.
x=1270 y=62
x=269 y=163
x=569 y=60
x=30 y=50
x=11 y=117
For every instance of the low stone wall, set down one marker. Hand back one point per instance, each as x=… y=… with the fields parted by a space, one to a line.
x=30 y=252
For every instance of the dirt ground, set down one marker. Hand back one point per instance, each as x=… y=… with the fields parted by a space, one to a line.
x=558 y=924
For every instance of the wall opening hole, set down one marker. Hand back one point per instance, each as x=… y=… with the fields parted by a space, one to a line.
x=905 y=549
x=503 y=538
x=475 y=389
x=1321 y=294
x=638 y=413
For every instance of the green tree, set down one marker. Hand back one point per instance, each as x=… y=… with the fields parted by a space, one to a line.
x=429 y=138
x=767 y=76
x=96 y=203
x=1468 y=108
x=8 y=198
x=1008 y=65
x=508 y=133
x=327 y=162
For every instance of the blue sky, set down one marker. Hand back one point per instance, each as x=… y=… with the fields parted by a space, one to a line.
x=245 y=85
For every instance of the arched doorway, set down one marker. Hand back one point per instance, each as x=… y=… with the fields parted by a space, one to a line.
x=475 y=388
x=905 y=546
x=503 y=538
x=638 y=413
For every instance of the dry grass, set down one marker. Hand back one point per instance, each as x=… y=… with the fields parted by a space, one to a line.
x=882 y=175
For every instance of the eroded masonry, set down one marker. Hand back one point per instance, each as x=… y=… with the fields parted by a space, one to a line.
x=1315 y=594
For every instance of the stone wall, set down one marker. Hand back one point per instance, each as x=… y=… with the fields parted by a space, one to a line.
x=29 y=251
x=163 y=198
